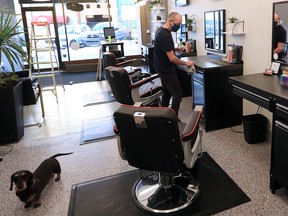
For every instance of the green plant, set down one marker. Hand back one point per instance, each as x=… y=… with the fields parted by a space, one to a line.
x=190 y=20
x=232 y=19
x=153 y=3
x=9 y=39
x=8 y=79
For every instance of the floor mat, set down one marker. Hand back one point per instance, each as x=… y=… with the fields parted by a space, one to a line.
x=97 y=130
x=97 y=98
x=112 y=195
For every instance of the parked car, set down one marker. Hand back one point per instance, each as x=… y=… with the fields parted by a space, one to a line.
x=96 y=35
x=75 y=33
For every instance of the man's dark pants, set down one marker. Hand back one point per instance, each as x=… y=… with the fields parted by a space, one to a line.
x=171 y=88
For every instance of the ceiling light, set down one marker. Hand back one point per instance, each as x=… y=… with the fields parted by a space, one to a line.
x=74 y=6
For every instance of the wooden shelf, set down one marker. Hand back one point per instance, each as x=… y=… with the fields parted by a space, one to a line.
x=234 y=33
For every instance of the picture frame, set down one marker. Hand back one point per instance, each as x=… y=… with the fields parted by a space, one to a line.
x=275 y=66
x=181 y=2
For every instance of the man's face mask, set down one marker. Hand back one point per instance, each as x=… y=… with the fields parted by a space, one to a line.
x=275 y=23
x=175 y=27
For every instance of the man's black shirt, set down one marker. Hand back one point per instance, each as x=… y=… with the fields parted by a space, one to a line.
x=279 y=35
x=163 y=43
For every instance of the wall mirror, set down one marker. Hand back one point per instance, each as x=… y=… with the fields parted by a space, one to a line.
x=281 y=8
x=182 y=32
x=214 y=25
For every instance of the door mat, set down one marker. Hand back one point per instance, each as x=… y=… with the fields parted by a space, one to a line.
x=97 y=98
x=112 y=195
x=97 y=130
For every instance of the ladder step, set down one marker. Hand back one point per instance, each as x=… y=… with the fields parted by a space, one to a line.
x=48 y=89
x=42 y=76
x=41 y=49
x=44 y=62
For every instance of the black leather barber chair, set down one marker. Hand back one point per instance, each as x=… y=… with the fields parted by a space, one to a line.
x=150 y=139
x=135 y=73
x=145 y=91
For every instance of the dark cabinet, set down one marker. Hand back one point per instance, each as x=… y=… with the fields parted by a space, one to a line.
x=279 y=169
x=116 y=48
x=210 y=88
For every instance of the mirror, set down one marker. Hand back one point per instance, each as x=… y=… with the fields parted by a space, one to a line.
x=182 y=32
x=214 y=25
x=281 y=9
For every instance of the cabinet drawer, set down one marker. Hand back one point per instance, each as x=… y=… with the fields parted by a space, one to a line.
x=282 y=111
x=248 y=95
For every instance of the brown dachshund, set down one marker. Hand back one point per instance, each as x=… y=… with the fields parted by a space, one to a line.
x=28 y=185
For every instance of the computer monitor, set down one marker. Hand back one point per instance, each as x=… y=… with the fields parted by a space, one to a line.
x=109 y=31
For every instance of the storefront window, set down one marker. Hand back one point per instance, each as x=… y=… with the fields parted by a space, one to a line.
x=80 y=33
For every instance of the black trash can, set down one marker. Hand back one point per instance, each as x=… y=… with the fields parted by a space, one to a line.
x=255 y=127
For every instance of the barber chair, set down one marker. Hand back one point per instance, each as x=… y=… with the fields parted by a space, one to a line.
x=145 y=91
x=151 y=139
x=135 y=73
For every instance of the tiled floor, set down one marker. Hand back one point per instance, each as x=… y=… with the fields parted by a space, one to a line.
x=247 y=165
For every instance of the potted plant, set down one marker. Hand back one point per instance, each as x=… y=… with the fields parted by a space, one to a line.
x=11 y=95
x=153 y=3
x=190 y=22
x=232 y=20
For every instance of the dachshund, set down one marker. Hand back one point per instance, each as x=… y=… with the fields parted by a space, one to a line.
x=28 y=185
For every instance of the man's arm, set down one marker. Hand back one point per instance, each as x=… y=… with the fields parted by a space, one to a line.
x=279 y=48
x=174 y=59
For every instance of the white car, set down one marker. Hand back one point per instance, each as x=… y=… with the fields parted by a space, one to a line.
x=75 y=33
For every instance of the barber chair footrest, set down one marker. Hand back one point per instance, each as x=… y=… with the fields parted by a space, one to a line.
x=150 y=196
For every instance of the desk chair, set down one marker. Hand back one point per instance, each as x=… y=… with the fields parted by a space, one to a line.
x=150 y=139
x=145 y=91
x=135 y=73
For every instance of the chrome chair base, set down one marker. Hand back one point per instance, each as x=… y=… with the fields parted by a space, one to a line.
x=151 y=196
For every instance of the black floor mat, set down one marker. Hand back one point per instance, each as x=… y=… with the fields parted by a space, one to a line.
x=112 y=195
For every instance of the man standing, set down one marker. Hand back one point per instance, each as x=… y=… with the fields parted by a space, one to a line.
x=165 y=61
x=279 y=37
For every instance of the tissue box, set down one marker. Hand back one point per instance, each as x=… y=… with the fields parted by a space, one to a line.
x=284 y=80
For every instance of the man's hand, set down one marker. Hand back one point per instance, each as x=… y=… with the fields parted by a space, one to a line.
x=190 y=63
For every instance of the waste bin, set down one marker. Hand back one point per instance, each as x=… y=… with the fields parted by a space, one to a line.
x=255 y=127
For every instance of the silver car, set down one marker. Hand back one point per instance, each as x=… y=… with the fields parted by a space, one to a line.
x=75 y=33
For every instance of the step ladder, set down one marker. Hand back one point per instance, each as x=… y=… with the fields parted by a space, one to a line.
x=35 y=61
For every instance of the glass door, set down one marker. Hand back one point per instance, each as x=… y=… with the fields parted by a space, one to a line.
x=43 y=32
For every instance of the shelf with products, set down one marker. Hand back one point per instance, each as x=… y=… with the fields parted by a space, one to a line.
x=158 y=16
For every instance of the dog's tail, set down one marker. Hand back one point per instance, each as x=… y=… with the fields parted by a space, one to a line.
x=61 y=154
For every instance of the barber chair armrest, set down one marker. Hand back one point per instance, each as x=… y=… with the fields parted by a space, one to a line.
x=119 y=144
x=189 y=130
x=143 y=81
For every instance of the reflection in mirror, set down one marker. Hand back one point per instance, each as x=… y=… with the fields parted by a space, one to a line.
x=182 y=33
x=279 y=32
x=214 y=27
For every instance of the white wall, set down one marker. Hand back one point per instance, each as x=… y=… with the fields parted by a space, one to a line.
x=257 y=41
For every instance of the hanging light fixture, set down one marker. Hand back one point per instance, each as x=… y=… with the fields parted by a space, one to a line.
x=74 y=6
x=101 y=1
